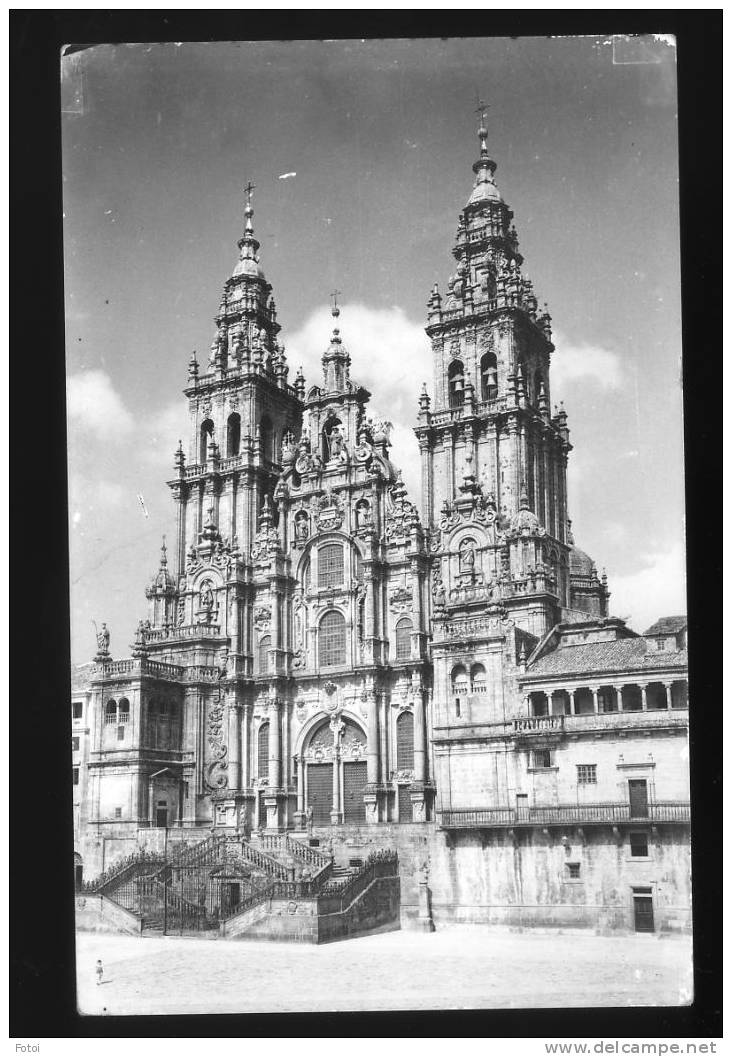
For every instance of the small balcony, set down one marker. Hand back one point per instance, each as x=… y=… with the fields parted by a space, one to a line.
x=607 y=814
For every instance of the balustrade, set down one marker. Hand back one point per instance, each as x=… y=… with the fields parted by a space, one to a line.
x=562 y=815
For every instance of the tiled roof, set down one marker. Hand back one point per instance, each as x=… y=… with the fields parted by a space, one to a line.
x=618 y=655
x=80 y=677
x=667 y=626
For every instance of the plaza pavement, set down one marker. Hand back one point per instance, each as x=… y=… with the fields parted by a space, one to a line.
x=458 y=967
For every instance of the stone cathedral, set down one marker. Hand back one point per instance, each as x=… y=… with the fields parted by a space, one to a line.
x=324 y=652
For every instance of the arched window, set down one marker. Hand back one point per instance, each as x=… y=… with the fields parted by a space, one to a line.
x=459 y=681
x=330 y=565
x=456 y=383
x=332 y=640
x=110 y=711
x=489 y=376
x=233 y=434
x=263 y=751
x=306 y=578
x=263 y=653
x=207 y=429
x=123 y=711
x=266 y=438
x=405 y=742
x=477 y=679
x=403 y=639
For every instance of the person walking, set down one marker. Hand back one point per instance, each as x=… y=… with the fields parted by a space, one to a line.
x=99 y=970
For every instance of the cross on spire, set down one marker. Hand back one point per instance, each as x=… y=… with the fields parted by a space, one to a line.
x=248 y=192
x=481 y=108
x=334 y=298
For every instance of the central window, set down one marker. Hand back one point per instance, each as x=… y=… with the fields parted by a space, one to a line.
x=586 y=774
x=332 y=640
x=330 y=565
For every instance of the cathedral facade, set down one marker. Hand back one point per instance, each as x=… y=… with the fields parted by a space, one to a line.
x=324 y=651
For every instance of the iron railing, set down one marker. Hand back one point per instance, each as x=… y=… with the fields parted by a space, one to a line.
x=563 y=815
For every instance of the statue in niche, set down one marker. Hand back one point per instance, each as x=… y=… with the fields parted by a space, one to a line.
x=336 y=444
x=467 y=556
x=205 y=595
x=301 y=526
x=363 y=515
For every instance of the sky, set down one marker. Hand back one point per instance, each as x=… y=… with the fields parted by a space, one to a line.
x=160 y=139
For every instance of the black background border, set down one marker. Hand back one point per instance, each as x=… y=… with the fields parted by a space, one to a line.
x=42 y=967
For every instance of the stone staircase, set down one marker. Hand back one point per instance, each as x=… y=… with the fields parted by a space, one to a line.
x=276 y=870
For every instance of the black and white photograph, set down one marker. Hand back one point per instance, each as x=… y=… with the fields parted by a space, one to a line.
x=379 y=676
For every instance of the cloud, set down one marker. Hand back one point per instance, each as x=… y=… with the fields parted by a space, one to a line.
x=390 y=356
x=572 y=363
x=95 y=407
x=163 y=429
x=657 y=589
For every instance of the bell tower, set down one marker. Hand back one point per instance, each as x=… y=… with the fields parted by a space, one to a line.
x=242 y=410
x=487 y=437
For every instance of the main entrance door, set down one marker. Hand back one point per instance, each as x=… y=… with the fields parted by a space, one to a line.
x=643 y=910
x=354 y=783
x=320 y=792
x=638 y=792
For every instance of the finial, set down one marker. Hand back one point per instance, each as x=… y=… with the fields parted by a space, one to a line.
x=163 y=555
x=248 y=209
x=335 y=310
x=481 y=110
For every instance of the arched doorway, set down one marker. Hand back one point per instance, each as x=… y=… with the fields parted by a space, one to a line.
x=335 y=772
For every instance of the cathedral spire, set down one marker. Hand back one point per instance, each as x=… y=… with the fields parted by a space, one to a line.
x=484 y=167
x=248 y=263
x=336 y=359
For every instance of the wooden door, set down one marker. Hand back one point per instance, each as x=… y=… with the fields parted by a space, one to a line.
x=638 y=792
x=161 y=817
x=354 y=783
x=405 y=803
x=320 y=792
x=643 y=909
x=522 y=807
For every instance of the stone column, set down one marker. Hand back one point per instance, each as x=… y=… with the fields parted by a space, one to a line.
x=594 y=698
x=272 y=798
x=275 y=778
x=300 y=788
x=370 y=798
x=234 y=771
x=276 y=632
x=619 y=692
x=335 y=814
x=644 y=698
x=571 y=703
x=667 y=687
x=246 y=766
x=420 y=749
x=419 y=807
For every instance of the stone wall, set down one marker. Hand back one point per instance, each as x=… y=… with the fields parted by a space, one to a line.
x=524 y=880
x=94 y=913
x=376 y=909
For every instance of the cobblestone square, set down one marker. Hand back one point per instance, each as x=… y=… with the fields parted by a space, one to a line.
x=460 y=967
